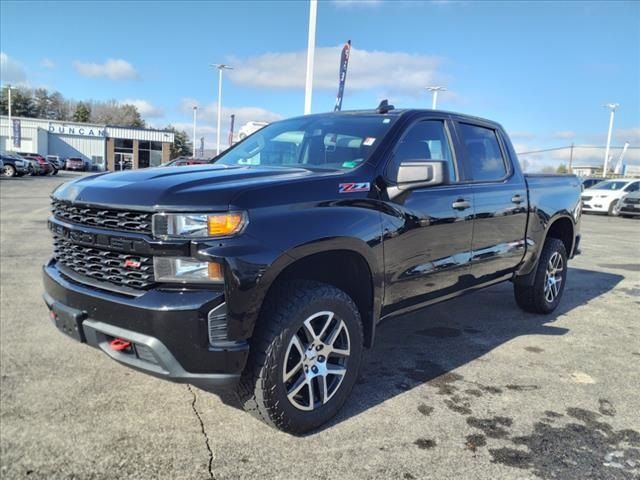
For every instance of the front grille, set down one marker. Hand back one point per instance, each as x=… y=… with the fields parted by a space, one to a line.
x=104 y=265
x=122 y=220
x=586 y=199
x=632 y=201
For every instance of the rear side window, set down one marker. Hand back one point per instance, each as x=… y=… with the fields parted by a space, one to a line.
x=484 y=160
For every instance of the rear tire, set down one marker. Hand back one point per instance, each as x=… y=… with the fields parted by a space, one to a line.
x=293 y=380
x=550 y=278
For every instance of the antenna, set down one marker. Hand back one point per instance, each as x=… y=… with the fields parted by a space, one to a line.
x=384 y=106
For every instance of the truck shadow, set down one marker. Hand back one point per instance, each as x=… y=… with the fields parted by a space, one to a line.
x=428 y=345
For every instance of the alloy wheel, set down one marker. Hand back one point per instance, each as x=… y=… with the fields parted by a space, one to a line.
x=316 y=361
x=553 y=277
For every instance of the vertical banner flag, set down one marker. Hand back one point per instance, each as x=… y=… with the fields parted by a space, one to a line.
x=344 y=63
x=17 y=132
x=201 y=147
x=233 y=121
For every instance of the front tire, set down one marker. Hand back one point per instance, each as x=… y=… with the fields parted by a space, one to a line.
x=550 y=278
x=613 y=209
x=305 y=356
x=9 y=171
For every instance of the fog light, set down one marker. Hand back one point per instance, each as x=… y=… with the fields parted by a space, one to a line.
x=217 y=323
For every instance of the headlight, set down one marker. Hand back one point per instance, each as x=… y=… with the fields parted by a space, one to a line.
x=186 y=270
x=198 y=225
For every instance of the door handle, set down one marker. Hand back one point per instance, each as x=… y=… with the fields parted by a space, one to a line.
x=516 y=199
x=460 y=204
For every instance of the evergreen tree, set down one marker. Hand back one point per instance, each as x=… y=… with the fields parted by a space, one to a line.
x=41 y=102
x=82 y=113
x=59 y=107
x=22 y=104
x=181 y=147
x=562 y=169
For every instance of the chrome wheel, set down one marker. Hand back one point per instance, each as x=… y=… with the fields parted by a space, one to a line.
x=553 y=277
x=316 y=361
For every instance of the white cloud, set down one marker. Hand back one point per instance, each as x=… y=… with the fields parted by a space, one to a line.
x=565 y=135
x=47 y=63
x=11 y=71
x=146 y=109
x=397 y=72
x=114 y=69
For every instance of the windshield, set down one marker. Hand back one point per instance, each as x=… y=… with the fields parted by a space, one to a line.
x=325 y=142
x=609 y=185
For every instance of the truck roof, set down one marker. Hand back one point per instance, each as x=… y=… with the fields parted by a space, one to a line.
x=407 y=111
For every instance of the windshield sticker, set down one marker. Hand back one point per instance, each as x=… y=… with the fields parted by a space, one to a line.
x=354 y=187
x=386 y=120
x=368 y=141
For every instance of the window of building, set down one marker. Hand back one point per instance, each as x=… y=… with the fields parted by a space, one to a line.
x=484 y=157
x=149 y=154
x=123 y=144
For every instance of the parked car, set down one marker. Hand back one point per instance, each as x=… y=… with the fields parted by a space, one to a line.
x=590 y=182
x=45 y=167
x=13 y=166
x=603 y=197
x=185 y=161
x=629 y=205
x=249 y=128
x=76 y=163
x=56 y=161
x=267 y=272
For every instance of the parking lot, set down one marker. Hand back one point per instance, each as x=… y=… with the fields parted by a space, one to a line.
x=472 y=388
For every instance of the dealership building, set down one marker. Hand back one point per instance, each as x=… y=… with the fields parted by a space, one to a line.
x=102 y=147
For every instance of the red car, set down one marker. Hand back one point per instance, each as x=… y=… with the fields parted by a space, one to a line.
x=45 y=167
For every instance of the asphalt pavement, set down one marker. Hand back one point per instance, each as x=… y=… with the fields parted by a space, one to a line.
x=471 y=388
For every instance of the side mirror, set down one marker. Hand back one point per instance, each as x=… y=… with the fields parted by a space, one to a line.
x=420 y=173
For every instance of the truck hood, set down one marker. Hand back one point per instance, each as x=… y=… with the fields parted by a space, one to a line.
x=209 y=187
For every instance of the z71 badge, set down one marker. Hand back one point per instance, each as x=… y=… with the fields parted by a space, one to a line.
x=354 y=187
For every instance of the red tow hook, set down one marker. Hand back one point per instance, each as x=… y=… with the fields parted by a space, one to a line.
x=119 y=344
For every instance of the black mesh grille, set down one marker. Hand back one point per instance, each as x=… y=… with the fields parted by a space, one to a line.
x=121 y=220
x=632 y=201
x=105 y=265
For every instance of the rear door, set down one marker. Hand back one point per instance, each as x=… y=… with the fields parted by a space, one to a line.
x=428 y=242
x=499 y=200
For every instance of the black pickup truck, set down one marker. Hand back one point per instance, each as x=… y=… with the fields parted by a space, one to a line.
x=267 y=272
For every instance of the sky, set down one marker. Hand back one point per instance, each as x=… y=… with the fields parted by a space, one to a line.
x=543 y=70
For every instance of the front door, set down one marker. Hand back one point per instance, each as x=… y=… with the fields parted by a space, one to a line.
x=427 y=244
x=123 y=161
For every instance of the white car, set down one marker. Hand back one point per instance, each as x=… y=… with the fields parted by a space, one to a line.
x=249 y=128
x=603 y=197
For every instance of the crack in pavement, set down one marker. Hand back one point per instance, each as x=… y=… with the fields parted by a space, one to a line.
x=202 y=429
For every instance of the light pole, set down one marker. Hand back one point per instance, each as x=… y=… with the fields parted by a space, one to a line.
x=10 y=122
x=220 y=67
x=434 y=98
x=311 y=47
x=612 y=107
x=195 y=115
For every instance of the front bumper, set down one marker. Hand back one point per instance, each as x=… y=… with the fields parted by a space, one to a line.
x=166 y=327
x=596 y=205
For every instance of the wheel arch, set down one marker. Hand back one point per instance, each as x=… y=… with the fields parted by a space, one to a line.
x=347 y=264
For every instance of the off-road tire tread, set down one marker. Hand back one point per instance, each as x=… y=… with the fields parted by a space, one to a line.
x=277 y=314
x=530 y=298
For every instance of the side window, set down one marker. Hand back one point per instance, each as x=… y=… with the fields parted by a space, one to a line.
x=634 y=187
x=426 y=140
x=484 y=157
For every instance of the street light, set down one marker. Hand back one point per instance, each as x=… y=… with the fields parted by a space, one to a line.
x=195 y=115
x=10 y=122
x=434 y=91
x=220 y=67
x=612 y=107
x=311 y=47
